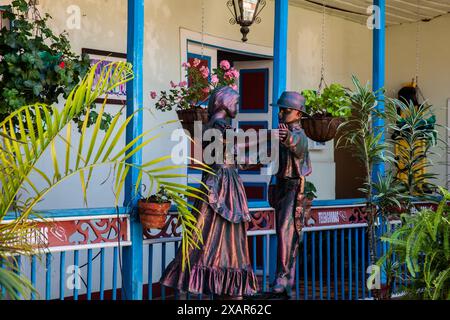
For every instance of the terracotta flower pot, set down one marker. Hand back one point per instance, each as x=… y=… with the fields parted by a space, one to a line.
x=153 y=215
x=321 y=128
x=189 y=116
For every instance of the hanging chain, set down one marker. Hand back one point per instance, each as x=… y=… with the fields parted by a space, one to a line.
x=416 y=78
x=203 y=27
x=322 y=68
x=34 y=14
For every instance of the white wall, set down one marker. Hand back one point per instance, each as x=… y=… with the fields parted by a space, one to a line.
x=104 y=25
x=347 y=50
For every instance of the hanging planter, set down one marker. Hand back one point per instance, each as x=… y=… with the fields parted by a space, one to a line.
x=187 y=97
x=326 y=111
x=188 y=117
x=321 y=128
x=153 y=211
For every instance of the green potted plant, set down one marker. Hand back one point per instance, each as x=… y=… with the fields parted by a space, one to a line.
x=422 y=244
x=187 y=97
x=414 y=138
x=325 y=112
x=154 y=209
x=390 y=195
x=310 y=193
x=368 y=148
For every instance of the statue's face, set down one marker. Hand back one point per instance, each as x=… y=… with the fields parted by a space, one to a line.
x=232 y=107
x=287 y=115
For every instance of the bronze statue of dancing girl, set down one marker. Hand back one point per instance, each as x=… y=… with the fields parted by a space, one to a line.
x=221 y=266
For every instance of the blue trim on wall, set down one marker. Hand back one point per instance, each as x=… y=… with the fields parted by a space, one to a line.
x=258 y=204
x=79 y=212
x=266 y=90
x=263 y=123
x=338 y=202
x=200 y=57
x=194 y=185
x=248 y=53
x=257 y=184
x=193 y=171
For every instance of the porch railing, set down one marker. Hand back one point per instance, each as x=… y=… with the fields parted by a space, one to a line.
x=331 y=262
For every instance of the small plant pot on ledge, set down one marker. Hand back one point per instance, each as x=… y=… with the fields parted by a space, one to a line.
x=321 y=128
x=153 y=215
x=189 y=116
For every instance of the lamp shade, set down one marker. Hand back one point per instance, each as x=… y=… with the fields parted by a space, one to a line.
x=245 y=13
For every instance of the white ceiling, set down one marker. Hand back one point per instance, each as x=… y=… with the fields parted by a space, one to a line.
x=397 y=11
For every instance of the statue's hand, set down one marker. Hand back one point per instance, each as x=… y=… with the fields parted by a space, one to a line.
x=283 y=132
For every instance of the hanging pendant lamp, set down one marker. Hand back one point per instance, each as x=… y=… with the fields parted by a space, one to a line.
x=245 y=13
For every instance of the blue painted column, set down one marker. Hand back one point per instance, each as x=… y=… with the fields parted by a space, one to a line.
x=379 y=65
x=279 y=85
x=132 y=255
x=279 y=54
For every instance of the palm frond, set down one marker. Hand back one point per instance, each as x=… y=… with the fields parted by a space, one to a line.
x=23 y=145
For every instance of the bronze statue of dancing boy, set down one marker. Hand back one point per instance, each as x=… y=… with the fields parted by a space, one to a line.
x=289 y=200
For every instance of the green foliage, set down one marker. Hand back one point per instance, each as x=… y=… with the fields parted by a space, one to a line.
x=365 y=140
x=195 y=91
x=413 y=136
x=310 y=190
x=334 y=101
x=390 y=194
x=162 y=196
x=422 y=243
x=358 y=132
x=37 y=66
x=51 y=133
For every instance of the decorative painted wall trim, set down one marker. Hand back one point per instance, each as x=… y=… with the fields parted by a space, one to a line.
x=336 y=216
x=80 y=233
x=109 y=230
x=263 y=221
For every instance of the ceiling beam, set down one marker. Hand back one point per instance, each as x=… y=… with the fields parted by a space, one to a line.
x=397 y=11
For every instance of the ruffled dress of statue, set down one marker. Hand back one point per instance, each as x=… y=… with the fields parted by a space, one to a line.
x=222 y=264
